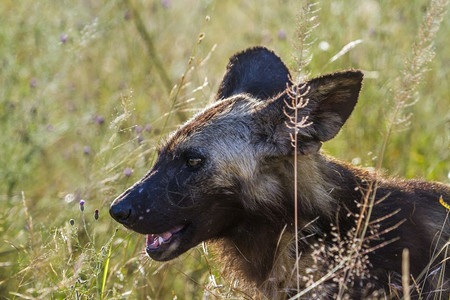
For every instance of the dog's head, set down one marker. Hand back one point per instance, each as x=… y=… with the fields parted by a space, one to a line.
x=223 y=166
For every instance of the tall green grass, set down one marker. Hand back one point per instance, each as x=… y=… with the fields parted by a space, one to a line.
x=83 y=107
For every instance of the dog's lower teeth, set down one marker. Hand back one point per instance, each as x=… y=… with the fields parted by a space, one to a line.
x=155 y=240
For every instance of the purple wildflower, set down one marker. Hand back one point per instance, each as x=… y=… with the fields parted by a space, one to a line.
x=127 y=172
x=127 y=15
x=148 y=128
x=166 y=3
x=99 y=120
x=96 y=214
x=87 y=150
x=72 y=222
x=281 y=34
x=63 y=38
x=33 y=82
x=82 y=205
x=138 y=129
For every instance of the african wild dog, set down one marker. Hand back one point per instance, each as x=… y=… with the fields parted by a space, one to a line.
x=227 y=176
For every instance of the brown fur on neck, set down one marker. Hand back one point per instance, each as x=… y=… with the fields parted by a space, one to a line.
x=260 y=251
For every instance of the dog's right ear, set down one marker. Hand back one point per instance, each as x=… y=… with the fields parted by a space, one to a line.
x=256 y=71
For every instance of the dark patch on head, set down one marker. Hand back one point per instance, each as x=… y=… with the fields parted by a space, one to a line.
x=195 y=123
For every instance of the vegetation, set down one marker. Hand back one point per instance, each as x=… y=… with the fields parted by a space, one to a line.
x=90 y=88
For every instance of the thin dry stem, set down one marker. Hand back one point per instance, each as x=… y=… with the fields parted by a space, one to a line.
x=298 y=102
x=29 y=222
x=307 y=23
x=405 y=274
x=148 y=40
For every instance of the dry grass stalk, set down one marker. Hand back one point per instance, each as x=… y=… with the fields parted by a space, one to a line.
x=29 y=222
x=150 y=45
x=405 y=274
x=307 y=22
x=298 y=102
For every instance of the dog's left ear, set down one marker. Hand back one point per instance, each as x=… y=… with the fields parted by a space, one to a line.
x=330 y=101
x=256 y=71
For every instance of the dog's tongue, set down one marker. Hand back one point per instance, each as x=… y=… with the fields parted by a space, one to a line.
x=153 y=241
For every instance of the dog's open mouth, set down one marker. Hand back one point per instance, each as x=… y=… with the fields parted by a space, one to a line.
x=162 y=241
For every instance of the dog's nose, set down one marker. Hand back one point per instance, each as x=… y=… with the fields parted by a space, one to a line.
x=122 y=212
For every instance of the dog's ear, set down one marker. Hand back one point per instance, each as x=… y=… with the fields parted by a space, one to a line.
x=330 y=100
x=256 y=71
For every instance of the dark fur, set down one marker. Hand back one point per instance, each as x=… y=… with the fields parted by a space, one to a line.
x=241 y=193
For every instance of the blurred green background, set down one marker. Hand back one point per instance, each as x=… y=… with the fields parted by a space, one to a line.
x=89 y=88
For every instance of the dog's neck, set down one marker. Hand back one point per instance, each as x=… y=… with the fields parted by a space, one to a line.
x=262 y=249
x=248 y=253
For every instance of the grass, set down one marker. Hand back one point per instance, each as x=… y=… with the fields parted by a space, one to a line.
x=83 y=106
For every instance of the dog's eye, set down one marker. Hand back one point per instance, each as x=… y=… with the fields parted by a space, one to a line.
x=194 y=162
